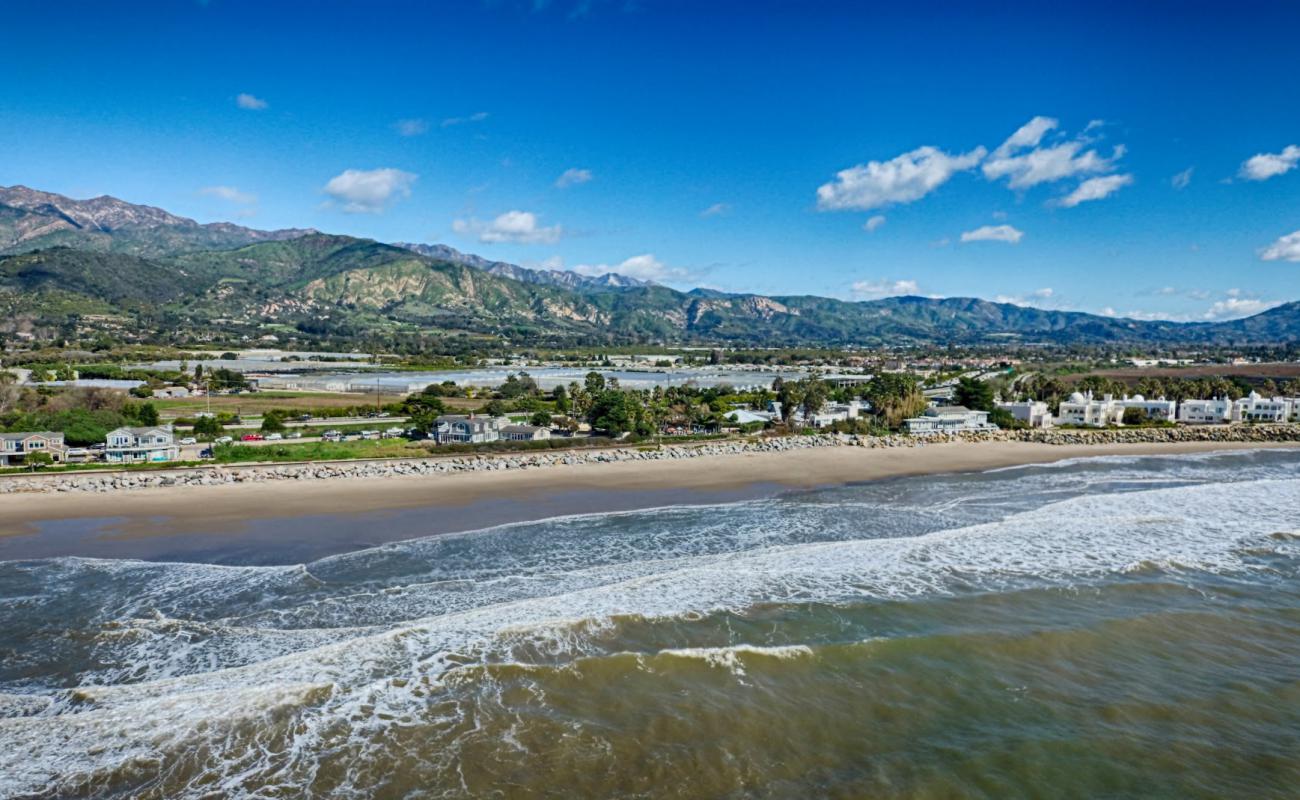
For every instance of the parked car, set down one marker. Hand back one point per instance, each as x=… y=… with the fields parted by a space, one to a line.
x=274 y=437
x=370 y=434
x=189 y=440
x=205 y=452
x=332 y=436
x=222 y=440
x=304 y=417
x=293 y=435
x=251 y=437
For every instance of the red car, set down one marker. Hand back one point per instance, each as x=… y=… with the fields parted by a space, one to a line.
x=251 y=437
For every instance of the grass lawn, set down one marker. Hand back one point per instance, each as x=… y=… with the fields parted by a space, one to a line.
x=321 y=451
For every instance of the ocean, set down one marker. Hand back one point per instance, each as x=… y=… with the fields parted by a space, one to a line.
x=1112 y=627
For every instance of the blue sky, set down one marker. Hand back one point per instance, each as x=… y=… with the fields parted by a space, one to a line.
x=850 y=150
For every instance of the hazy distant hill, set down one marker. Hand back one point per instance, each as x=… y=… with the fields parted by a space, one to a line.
x=108 y=255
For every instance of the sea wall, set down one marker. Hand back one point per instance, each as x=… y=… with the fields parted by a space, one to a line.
x=106 y=481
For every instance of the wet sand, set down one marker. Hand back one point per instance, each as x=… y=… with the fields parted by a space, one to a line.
x=278 y=521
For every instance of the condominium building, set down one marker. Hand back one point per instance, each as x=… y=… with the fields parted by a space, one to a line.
x=1083 y=409
x=1205 y=412
x=1033 y=413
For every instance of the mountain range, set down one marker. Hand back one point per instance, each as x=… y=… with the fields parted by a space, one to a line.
x=61 y=259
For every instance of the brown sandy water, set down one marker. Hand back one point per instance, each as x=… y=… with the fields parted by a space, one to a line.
x=1122 y=627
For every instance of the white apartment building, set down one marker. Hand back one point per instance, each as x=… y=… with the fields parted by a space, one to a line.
x=1205 y=412
x=1031 y=412
x=1158 y=409
x=1253 y=408
x=949 y=419
x=1084 y=409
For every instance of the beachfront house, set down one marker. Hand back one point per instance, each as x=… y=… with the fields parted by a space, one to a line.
x=1085 y=410
x=1158 y=409
x=949 y=419
x=1215 y=411
x=140 y=445
x=1033 y=413
x=1254 y=408
x=15 y=447
x=467 y=429
x=525 y=433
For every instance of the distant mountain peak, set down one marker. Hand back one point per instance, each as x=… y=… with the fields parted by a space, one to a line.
x=108 y=223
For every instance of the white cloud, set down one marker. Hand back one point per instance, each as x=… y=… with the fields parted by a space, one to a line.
x=229 y=193
x=872 y=290
x=716 y=210
x=476 y=117
x=369 y=191
x=994 y=233
x=1029 y=299
x=643 y=267
x=1235 y=307
x=1027 y=135
x=250 y=102
x=1262 y=166
x=1024 y=164
x=1182 y=179
x=411 y=127
x=514 y=227
x=572 y=177
x=904 y=179
x=1095 y=189
x=1286 y=248
x=873 y=223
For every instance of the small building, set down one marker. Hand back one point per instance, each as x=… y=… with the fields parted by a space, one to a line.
x=949 y=419
x=1083 y=409
x=15 y=447
x=171 y=391
x=525 y=433
x=743 y=416
x=1033 y=413
x=140 y=445
x=1254 y=408
x=467 y=429
x=1205 y=412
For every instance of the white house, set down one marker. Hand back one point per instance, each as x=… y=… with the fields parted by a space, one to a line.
x=1032 y=412
x=525 y=433
x=15 y=447
x=1158 y=409
x=1205 y=412
x=471 y=429
x=1083 y=409
x=137 y=445
x=949 y=419
x=1253 y=408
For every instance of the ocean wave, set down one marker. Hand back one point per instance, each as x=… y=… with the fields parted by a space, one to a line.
x=192 y=655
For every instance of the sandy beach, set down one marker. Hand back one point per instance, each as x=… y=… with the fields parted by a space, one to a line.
x=476 y=499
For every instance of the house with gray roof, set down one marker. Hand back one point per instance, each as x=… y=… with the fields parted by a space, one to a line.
x=467 y=429
x=141 y=445
x=15 y=447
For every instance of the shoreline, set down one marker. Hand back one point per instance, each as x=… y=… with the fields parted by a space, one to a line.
x=479 y=498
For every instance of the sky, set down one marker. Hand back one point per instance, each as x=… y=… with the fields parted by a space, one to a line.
x=1139 y=159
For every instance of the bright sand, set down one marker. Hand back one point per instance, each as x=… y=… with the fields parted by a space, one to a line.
x=209 y=508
